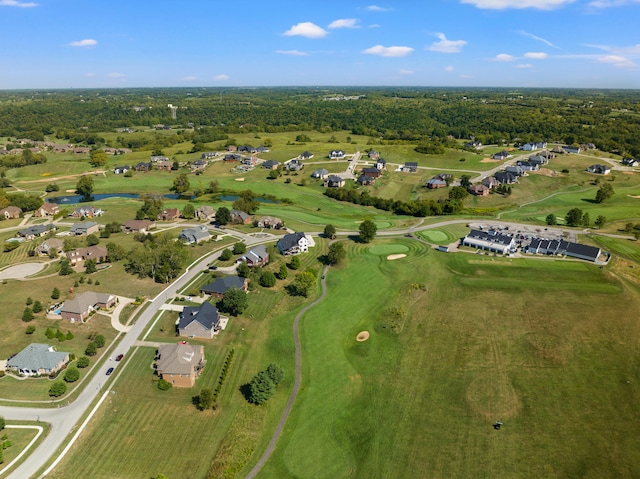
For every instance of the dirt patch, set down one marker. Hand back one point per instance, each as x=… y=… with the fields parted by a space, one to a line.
x=391 y=257
x=545 y=172
x=492 y=396
x=362 y=336
x=628 y=173
x=634 y=196
x=239 y=179
x=489 y=160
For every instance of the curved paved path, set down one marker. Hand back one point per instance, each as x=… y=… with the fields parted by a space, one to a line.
x=296 y=386
x=22 y=270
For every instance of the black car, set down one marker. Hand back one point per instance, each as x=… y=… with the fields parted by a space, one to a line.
x=109 y=371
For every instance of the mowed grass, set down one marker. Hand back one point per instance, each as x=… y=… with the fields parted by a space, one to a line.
x=550 y=348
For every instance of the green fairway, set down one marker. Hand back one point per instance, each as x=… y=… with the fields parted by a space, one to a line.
x=386 y=249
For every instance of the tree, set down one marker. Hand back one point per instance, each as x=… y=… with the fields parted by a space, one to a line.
x=330 y=231
x=164 y=385
x=458 y=193
x=27 y=315
x=261 y=388
x=50 y=333
x=600 y=221
x=181 y=184
x=71 y=375
x=368 y=230
x=267 y=279
x=205 y=399
x=57 y=389
x=60 y=336
x=65 y=267
x=243 y=270
x=84 y=186
x=275 y=373
x=83 y=362
x=465 y=181
x=273 y=175
x=91 y=349
x=551 y=219
x=235 y=301
x=284 y=271
x=69 y=336
x=336 y=253
x=92 y=240
x=30 y=329
x=604 y=192
x=295 y=263
x=98 y=158
x=223 y=216
x=302 y=283
x=99 y=340
x=226 y=255
x=115 y=252
x=90 y=266
x=29 y=301
x=573 y=217
x=586 y=220
x=188 y=211
x=239 y=248
x=3 y=423
x=37 y=307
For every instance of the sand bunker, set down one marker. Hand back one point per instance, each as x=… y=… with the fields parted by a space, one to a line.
x=239 y=179
x=70 y=191
x=362 y=336
x=634 y=196
x=391 y=257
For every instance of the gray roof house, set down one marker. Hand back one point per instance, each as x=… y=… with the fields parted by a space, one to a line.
x=36 y=230
x=199 y=322
x=180 y=364
x=270 y=164
x=257 y=256
x=205 y=212
x=78 y=309
x=410 y=166
x=84 y=228
x=293 y=243
x=195 y=235
x=38 y=359
x=599 y=169
x=333 y=181
x=321 y=173
x=221 y=285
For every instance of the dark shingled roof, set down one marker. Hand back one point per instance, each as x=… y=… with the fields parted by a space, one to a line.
x=206 y=314
x=224 y=284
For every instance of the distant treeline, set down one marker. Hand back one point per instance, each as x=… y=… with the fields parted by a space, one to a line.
x=608 y=118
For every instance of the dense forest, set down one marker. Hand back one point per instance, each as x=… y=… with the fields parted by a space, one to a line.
x=608 y=118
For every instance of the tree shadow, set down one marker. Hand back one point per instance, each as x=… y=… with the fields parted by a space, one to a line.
x=356 y=239
x=324 y=259
x=245 y=390
x=589 y=200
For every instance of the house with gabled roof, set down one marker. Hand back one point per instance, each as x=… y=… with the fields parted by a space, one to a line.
x=49 y=246
x=381 y=164
x=293 y=243
x=199 y=321
x=195 y=235
x=256 y=256
x=78 y=256
x=320 y=173
x=138 y=226
x=218 y=287
x=501 y=155
x=478 y=190
x=270 y=165
x=38 y=360
x=337 y=154
x=632 y=162
x=334 y=181
x=410 y=167
x=208 y=155
x=373 y=155
x=372 y=172
x=84 y=228
x=538 y=160
x=198 y=165
x=11 y=212
x=47 y=209
x=143 y=166
x=156 y=158
x=489 y=241
x=239 y=217
x=306 y=155
x=180 y=364
x=79 y=309
x=205 y=212
x=232 y=157
x=294 y=165
x=169 y=214
x=365 y=180
x=506 y=178
x=36 y=230
x=599 y=169
x=87 y=212
x=270 y=222
x=571 y=149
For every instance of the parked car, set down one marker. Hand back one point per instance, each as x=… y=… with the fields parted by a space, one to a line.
x=119 y=357
x=109 y=371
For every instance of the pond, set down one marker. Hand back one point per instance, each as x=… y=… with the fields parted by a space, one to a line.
x=75 y=199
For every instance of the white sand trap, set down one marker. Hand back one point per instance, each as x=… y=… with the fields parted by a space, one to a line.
x=69 y=191
x=391 y=257
x=634 y=196
x=239 y=179
x=362 y=336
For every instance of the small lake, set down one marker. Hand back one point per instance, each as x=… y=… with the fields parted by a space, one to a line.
x=75 y=199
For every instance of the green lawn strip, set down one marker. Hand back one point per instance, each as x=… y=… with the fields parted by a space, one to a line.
x=629 y=249
x=20 y=439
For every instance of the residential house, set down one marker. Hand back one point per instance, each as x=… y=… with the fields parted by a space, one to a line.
x=249 y=161
x=270 y=165
x=240 y=217
x=538 y=160
x=256 y=256
x=502 y=155
x=61 y=148
x=547 y=154
x=169 y=214
x=138 y=226
x=36 y=230
x=86 y=212
x=77 y=257
x=365 y=180
x=473 y=144
x=11 y=212
x=232 y=157
x=270 y=222
x=208 y=155
x=490 y=182
x=320 y=173
x=293 y=243
x=195 y=235
x=489 y=241
x=334 y=181
x=410 y=167
x=435 y=183
x=381 y=164
x=262 y=149
x=231 y=148
x=599 y=169
x=528 y=165
x=220 y=286
x=180 y=364
x=77 y=310
x=38 y=360
x=558 y=150
x=205 y=212
x=294 y=165
x=337 y=154
x=247 y=149
x=571 y=149
x=506 y=177
x=47 y=209
x=632 y=162
x=478 y=190
x=373 y=155
x=82 y=150
x=164 y=165
x=307 y=155
x=517 y=170
x=198 y=165
x=142 y=166
x=372 y=172
x=157 y=158
x=199 y=322
x=84 y=228
x=534 y=146
x=50 y=246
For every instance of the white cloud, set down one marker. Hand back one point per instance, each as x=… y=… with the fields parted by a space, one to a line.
x=618 y=61
x=388 y=51
x=611 y=3
x=503 y=57
x=449 y=68
x=344 y=23
x=88 y=42
x=376 y=8
x=504 y=4
x=406 y=72
x=295 y=53
x=306 y=29
x=221 y=77
x=447 y=46
x=535 y=37
x=536 y=55
x=116 y=75
x=524 y=65
x=17 y=3
x=190 y=78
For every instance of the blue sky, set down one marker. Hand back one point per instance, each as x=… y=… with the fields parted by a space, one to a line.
x=518 y=43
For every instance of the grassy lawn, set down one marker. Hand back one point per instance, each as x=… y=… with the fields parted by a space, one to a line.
x=19 y=438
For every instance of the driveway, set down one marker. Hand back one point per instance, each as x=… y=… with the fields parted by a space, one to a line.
x=21 y=271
